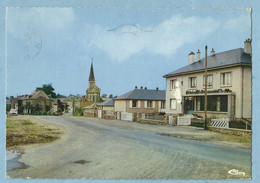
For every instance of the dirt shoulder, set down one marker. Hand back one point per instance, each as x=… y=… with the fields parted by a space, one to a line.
x=24 y=130
x=187 y=132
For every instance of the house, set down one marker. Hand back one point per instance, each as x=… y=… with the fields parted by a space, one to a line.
x=36 y=102
x=229 y=81
x=106 y=109
x=60 y=105
x=139 y=101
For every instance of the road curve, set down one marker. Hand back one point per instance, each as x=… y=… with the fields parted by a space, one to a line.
x=92 y=150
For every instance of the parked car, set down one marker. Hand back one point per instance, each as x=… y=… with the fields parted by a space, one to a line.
x=13 y=112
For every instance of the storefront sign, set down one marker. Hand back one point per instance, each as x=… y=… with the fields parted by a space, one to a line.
x=209 y=91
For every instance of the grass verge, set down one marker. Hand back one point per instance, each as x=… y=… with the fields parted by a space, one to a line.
x=23 y=132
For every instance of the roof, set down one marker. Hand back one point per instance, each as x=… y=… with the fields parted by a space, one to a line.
x=227 y=58
x=35 y=95
x=91 y=74
x=91 y=106
x=143 y=94
x=108 y=102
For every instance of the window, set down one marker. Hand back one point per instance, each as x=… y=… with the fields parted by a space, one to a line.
x=173 y=104
x=225 y=78
x=162 y=104
x=192 y=82
x=213 y=103
x=173 y=84
x=224 y=103
x=209 y=80
x=149 y=103
x=134 y=103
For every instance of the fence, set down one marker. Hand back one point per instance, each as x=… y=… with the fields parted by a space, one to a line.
x=220 y=123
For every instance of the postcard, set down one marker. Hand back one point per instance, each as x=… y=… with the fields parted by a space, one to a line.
x=128 y=93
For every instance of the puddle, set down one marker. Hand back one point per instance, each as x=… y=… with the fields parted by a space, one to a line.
x=12 y=157
x=82 y=162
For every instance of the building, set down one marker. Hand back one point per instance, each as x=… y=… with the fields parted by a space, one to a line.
x=93 y=92
x=36 y=102
x=106 y=109
x=229 y=81
x=141 y=101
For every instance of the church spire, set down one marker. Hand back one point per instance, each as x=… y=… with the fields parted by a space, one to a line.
x=91 y=74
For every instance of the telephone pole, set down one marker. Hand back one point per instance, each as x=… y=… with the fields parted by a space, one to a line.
x=206 y=89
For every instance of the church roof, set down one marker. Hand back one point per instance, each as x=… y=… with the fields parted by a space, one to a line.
x=91 y=74
x=143 y=94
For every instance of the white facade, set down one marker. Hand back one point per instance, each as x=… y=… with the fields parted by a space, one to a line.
x=229 y=88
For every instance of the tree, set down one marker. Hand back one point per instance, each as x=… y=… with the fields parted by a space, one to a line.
x=49 y=90
x=104 y=96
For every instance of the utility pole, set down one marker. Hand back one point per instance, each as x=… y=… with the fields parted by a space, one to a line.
x=206 y=90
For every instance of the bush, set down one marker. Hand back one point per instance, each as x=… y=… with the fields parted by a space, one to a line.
x=78 y=112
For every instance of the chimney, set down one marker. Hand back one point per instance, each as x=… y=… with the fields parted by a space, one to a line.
x=39 y=89
x=141 y=87
x=191 y=57
x=248 y=46
x=212 y=52
x=198 y=55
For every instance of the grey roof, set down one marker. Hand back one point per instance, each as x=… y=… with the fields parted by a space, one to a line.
x=108 y=102
x=227 y=58
x=143 y=94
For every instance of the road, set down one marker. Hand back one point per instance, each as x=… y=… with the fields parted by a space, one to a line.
x=96 y=149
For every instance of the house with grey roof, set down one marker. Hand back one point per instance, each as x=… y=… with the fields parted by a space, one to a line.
x=141 y=100
x=106 y=109
x=229 y=81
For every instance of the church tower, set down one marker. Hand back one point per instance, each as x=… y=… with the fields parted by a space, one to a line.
x=93 y=92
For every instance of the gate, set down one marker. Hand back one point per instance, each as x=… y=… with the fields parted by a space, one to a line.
x=220 y=123
x=99 y=113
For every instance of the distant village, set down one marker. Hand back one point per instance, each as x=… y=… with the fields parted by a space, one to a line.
x=229 y=81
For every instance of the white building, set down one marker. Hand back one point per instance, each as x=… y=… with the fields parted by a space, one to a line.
x=229 y=81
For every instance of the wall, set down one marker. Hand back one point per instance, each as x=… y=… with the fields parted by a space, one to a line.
x=247 y=93
x=231 y=131
x=120 y=105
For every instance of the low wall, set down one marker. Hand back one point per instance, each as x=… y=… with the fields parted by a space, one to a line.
x=88 y=114
x=213 y=115
x=150 y=121
x=231 y=131
x=109 y=117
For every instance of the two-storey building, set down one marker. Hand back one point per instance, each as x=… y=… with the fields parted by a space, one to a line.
x=229 y=81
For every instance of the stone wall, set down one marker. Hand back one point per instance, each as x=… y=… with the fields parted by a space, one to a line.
x=88 y=114
x=231 y=131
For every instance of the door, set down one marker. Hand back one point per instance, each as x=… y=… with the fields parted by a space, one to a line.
x=189 y=105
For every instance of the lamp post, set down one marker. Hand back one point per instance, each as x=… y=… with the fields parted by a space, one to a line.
x=206 y=90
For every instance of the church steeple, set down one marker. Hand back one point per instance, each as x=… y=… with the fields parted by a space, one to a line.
x=91 y=74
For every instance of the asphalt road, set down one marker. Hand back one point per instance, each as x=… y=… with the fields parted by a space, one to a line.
x=93 y=150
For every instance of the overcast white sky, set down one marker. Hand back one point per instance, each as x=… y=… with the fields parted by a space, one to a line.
x=129 y=46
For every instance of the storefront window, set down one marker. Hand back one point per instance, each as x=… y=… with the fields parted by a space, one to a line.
x=212 y=103
x=224 y=103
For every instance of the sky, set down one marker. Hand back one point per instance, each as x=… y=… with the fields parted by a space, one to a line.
x=129 y=47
